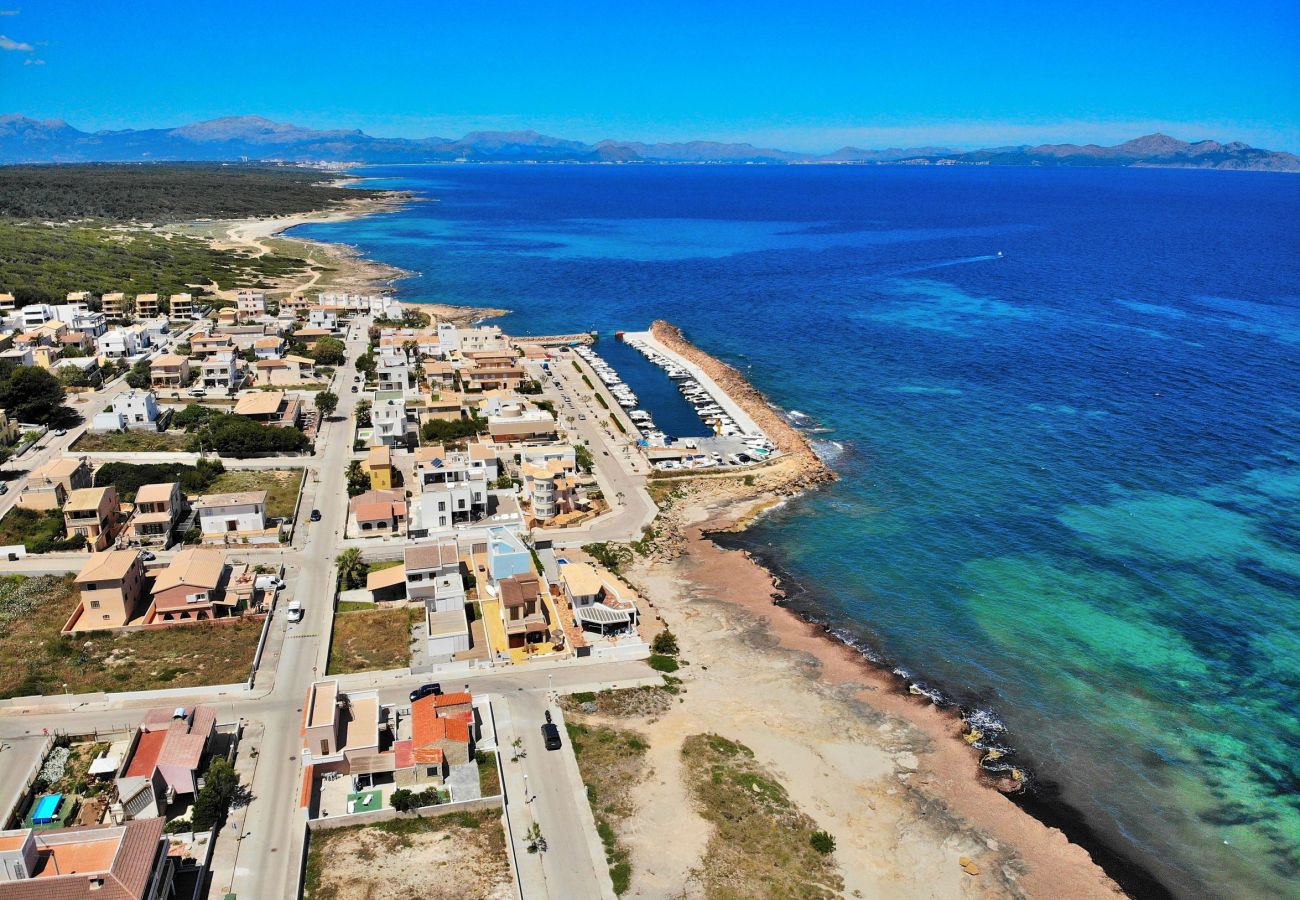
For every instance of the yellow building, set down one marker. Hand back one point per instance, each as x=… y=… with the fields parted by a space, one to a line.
x=380 y=466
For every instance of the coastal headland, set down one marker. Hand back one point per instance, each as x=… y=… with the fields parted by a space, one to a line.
x=891 y=775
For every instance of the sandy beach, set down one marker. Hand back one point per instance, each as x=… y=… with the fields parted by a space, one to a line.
x=887 y=773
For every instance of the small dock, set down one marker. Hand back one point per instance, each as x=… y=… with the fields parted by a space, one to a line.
x=557 y=340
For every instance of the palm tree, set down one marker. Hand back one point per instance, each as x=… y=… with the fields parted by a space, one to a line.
x=351 y=569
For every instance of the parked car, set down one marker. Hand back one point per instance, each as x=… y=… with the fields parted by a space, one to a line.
x=315 y=515
x=60 y=432
x=425 y=690
x=198 y=392
x=148 y=556
x=354 y=388
x=551 y=736
x=295 y=611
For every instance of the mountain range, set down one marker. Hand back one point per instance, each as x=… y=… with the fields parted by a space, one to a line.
x=27 y=140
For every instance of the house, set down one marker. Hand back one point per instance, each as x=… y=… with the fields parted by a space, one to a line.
x=507 y=554
x=250 y=305
x=114 y=305
x=289 y=371
x=158 y=509
x=443 y=732
x=393 y=372
x=388 y=419
x=275 y=408
x=296 y=306
x=48 y=486
x=453 y=485
x=199 y=584
x=444 y=405
x=132 y=411
x=110 y=862
x=155 y=330
x=235 y=517
x=377 y=512
x=548 y=489
x=523 y=611
x=492 y=374
x=220 y=371
x=342 y=732
x=7 y=303
x=146 y=306
x=379 y=464
x=203 y=345
x=112 y=591
x=76 y=340
x=323 y=317
x=34 y=315
x=310 y=336
x=433 y=575
x=520 y=423
x=597 y=600
x=164 y=760
x=387 y=584
x=439 y=374
x=182 y=306
x=227 y=317
x=169 y=371
x=269 y=347
x=118 y=343
x=93 y=513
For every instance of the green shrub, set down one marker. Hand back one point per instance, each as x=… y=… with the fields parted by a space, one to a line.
x=665 y=642
x=823 y=842
x=661 y=663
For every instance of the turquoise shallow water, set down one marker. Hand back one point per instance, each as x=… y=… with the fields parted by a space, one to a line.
x=1071 y=475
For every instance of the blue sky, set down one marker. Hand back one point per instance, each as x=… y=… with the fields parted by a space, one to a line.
x=801 y=75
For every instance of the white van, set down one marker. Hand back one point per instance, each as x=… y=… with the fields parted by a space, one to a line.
x=295 y=611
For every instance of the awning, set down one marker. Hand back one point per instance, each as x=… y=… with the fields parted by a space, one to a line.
x=599 y=614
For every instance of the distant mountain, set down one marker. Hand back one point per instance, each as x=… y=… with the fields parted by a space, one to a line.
x=25 y=140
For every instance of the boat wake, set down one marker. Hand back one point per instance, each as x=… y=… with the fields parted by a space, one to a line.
x=945 y=263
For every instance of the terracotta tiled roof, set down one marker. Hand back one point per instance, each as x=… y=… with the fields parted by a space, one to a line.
x=123 y=855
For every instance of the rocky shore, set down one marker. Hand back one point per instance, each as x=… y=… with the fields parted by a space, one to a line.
x=893 y=776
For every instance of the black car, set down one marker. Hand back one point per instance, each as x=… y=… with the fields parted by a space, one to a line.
x=315 y=515
x=425 y=690
x=551 y=736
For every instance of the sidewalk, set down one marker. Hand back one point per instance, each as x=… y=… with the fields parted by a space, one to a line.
x=518 y=816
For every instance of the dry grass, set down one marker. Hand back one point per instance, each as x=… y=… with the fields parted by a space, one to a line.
x=650 y=701
x=610 y=760
x=761 y=841
x=371 y=640
x=281 y=486
x=36 y=659
x=448 y=857
x=133 y=442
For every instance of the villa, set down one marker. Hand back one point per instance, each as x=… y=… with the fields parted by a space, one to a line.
x=169 y=371
x=377 y=512
x=158 y=509
x=199 y=584
x=112 y=862
x=235 y=518
x=597 y=599
x=275 y=408
x=48 y=487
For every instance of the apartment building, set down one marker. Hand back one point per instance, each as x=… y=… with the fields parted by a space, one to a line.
x=115 y=305
x=112 y=587
x=169 y=371
x=518 y=423
x=49 y=485
x=250 y=305
x=94 y=513
x=182 y=306
x=119 y=343
x=147 y=306
x=158 y=509
x=453 y=486
x=388 y=419
x=220 y=371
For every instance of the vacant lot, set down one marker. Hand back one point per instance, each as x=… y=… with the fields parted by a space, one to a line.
x=38 y=531
x=133 y=442
x=281 y=486
x=35 y=659
x=610 y=760
x=371 y=640
x=449 y=857
x=761 y=844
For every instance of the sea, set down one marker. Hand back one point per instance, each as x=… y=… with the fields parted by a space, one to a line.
x=1064 y=404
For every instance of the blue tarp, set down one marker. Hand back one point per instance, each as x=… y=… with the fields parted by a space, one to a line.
x=47 y=809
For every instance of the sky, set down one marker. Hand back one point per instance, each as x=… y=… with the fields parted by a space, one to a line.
x=802 y=75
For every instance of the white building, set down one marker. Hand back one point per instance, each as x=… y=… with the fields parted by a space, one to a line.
x=78 y=317
x=220 y=371
x=433 y=575
x=388 y=419
x=234 y=517
x=392 y=370
x=134 y=410
x=35 y=315
x=453 y=485
x=323 y=317
x=118 y=343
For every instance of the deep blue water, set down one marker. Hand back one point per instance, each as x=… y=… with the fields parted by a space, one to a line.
x=1071 y=475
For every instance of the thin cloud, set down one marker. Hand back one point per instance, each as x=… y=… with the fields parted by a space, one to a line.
x=33 y=62
x=9 y=12
x=7 y=43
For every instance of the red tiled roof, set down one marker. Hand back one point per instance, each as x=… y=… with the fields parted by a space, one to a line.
x=147 y=751
x=403 y=756
x=453 y=699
